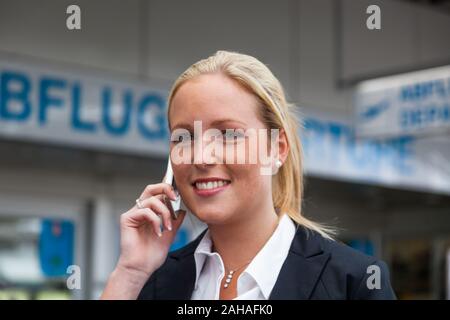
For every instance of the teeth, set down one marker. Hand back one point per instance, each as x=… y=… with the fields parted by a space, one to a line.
x=210 y=184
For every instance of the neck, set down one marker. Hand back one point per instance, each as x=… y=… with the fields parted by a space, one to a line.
x=240 y=241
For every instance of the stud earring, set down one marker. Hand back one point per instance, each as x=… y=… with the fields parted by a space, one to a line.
x=278 y=163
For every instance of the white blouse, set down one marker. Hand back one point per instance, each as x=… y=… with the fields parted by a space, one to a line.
x=257 y=280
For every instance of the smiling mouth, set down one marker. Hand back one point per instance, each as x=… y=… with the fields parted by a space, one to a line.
x=210 y=187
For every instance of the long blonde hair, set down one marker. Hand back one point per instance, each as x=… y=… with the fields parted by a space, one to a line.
x=276 y=113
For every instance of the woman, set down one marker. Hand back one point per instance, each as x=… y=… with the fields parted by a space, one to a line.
x=258 y=245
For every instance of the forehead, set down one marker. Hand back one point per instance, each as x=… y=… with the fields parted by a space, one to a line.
x=213 y=97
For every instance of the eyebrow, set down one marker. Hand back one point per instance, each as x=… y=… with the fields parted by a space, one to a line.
x=214 y=123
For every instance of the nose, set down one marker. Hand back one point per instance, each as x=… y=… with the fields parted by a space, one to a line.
x=205 y=152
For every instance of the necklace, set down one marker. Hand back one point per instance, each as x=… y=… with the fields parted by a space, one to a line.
x=231 y=274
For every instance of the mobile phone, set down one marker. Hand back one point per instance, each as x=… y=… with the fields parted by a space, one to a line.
x=178 y=204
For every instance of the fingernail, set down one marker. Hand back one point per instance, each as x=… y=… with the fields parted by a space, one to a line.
x=169 y=227
x=159 y=234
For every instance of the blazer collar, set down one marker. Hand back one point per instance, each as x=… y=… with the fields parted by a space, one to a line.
x=302 y=268
x=297 y=278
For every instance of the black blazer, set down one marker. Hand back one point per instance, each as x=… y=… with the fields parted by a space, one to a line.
x=315 y=268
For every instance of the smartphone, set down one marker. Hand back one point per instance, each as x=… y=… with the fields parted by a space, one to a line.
x=178 y=204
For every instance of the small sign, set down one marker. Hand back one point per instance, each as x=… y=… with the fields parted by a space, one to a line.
x=56 y=247
x=415 y=103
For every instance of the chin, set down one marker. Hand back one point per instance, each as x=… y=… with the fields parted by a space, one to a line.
x=214 y=216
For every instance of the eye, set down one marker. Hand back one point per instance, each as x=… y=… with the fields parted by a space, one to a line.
x=232 y=135
x=181 y=137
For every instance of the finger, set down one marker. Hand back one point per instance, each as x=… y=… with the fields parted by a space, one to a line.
x=146 y=215
x=170 y=207
x=157 y=205
x=158 y=188
x=176 y=224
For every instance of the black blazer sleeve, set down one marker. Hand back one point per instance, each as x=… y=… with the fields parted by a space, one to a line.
x=352 y=275
x=369 y=289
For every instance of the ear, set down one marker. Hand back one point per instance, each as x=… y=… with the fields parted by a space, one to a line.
x=283 y=147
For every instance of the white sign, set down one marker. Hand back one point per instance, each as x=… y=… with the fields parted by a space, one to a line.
x=413 y=103
x=46 y=104
x=332 y=150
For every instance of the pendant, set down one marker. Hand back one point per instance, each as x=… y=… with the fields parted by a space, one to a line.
x=228 y=280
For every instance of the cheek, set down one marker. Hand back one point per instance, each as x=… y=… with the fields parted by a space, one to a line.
x=249 y=179
x=254 y=150
x=251 y=160
x=181 y=173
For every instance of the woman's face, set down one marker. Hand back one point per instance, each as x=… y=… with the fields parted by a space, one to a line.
x=236 y=189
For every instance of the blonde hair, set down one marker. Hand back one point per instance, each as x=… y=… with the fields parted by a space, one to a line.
x=276 y=113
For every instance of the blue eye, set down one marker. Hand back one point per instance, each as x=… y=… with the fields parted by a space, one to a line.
x=233 y=135
x=185 y=137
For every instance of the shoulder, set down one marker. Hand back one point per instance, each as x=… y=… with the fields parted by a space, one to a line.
x=344 y=257
x=351 y=274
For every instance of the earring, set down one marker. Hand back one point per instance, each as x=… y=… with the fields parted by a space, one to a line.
x=278 y=163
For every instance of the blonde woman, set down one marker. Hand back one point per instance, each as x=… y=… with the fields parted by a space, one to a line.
x=258 y=244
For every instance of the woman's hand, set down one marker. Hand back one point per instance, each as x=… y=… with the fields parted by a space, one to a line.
x=143 y=246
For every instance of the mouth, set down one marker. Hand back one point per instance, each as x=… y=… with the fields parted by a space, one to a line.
x=210 y=186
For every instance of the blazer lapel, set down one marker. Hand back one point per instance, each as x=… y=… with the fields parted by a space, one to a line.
x=178 y=282
x=302 y=267
x=178 y=279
